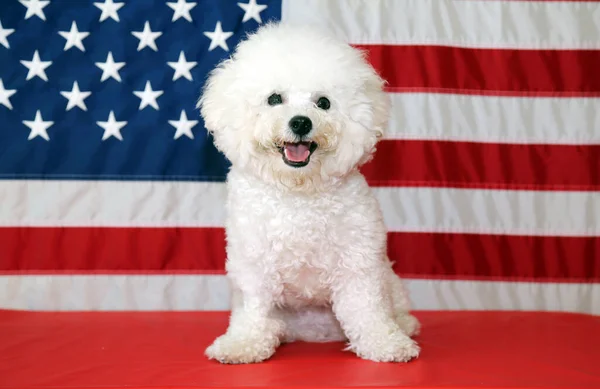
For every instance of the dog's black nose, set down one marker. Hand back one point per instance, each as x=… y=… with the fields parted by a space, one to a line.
x=300 y=125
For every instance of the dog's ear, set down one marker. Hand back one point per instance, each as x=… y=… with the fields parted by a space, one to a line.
x=374 y=89
x=213 y=101
x=219 y=107
x=380 y=104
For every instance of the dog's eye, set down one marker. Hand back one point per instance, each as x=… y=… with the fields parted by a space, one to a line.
x=323 y=103
x=275 y=99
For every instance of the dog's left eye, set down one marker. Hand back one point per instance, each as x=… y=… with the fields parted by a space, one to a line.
x=275 y=99
x=323 y=103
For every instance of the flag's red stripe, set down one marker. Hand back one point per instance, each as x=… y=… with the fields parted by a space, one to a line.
x=484 y=165
x=488 y=71
x=465 y=256
x=112 y=249
x=425 y=255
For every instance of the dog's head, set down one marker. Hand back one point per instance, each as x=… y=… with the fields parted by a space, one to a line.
x=295 y=106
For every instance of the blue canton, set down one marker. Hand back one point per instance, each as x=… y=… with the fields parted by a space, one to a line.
x=107 y=89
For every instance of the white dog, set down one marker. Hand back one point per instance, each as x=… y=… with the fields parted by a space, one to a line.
x=297 y=112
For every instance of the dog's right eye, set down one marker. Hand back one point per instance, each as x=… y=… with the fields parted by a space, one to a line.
x=275 y=99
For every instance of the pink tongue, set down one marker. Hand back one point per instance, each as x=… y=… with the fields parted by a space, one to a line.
x=296 y=152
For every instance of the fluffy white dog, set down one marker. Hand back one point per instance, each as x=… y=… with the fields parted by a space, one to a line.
x=297 y=111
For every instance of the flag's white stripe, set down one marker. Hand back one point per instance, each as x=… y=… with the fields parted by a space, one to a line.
x=546 y=120
x=90 y=203
x=513 y=212
x=188 y=204
x=474 y=23
x=211 y=292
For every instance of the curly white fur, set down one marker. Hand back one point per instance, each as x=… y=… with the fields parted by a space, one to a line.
x=306 y=246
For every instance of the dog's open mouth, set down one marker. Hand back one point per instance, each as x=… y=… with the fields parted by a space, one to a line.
x=297 y=154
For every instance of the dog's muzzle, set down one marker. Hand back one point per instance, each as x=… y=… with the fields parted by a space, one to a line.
x=300 y=125
x=297 y=154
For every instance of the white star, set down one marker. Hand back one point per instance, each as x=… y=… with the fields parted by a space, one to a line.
x=181 y=10
x=148 y=96
x=76 y=97
x=147 y=37
x=38 y=127
x=35 y=7
x=4 y=33
x=36 y=67
x=183 y=126
x=5 y=94
x=182 y=67
x=218 y=38
x=252 y=10
x=74 y=37
x=112 y=127
x=110 y=68
x=109 y=10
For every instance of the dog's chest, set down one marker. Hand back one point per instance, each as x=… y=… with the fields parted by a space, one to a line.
x=297 y=239
x=301 y=230
x=301 y=233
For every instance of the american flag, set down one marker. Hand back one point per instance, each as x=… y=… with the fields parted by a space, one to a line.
x=112 y=192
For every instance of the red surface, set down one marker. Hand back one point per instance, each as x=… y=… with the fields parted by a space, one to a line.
x=484 y=165
x=514 y=72
x=202 y=250
x=160 y=350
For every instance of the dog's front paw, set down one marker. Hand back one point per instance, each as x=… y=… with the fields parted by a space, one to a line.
x=395 y=347
x=234 y=350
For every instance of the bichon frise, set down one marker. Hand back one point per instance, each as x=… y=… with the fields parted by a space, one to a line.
x=297 y=111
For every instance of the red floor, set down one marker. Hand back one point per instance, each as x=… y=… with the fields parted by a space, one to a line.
x=165 y=350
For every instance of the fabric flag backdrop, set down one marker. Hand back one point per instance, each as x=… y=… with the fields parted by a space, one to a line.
x=112 y=194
